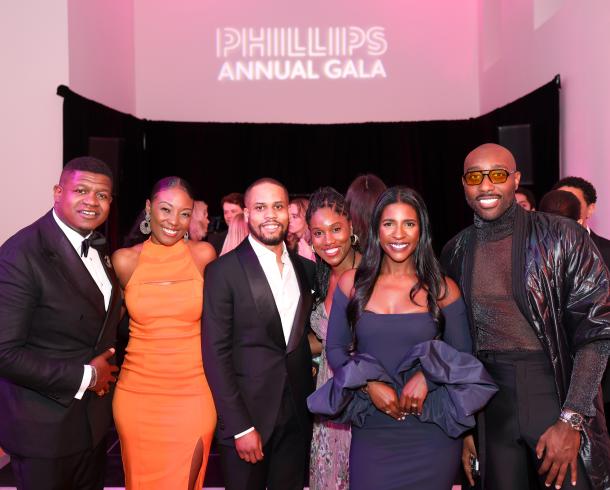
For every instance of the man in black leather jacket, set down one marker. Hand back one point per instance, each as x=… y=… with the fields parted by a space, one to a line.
x=537 y=292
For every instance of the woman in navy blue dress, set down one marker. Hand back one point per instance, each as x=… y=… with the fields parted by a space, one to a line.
x=396 y=299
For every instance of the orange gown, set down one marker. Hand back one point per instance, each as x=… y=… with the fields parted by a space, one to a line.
x=163 y=407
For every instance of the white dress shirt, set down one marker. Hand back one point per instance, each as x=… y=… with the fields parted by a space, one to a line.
x=94 y=265
x=284 y=287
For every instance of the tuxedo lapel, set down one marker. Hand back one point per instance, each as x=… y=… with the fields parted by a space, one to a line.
x=303 y=308
x=115 y=298
x=64 y=259
x=261 y=292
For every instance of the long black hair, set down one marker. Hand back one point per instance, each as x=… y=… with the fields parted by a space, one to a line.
x=429 y=275
x=324 y=197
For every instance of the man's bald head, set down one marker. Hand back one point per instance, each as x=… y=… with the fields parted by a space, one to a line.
x=491 y=200
x=490 y=152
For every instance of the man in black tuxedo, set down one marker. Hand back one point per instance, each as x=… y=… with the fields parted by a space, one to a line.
x=59 y=308
x=587 y=195
x=255 y=349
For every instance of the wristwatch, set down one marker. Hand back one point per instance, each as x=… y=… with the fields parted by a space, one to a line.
x=573 y=419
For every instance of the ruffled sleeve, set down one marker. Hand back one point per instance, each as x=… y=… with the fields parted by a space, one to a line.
x=339 y=336
x=464 y=387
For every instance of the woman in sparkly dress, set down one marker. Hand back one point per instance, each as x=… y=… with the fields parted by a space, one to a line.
x=332 y=240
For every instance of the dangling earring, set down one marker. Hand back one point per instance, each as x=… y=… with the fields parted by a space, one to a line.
x=313 y=249
x=145 y=224
x=186 y=236
x=354 y=239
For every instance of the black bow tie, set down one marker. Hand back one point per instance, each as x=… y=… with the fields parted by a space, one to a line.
x=95 y=240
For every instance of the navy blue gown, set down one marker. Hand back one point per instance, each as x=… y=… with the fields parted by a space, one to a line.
x=388 y=454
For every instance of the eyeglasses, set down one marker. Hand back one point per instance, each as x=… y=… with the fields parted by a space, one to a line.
x=496 y=176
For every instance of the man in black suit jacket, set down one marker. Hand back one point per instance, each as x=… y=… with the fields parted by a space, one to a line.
x=59 y=311
x=587 y=196
x=255 y=349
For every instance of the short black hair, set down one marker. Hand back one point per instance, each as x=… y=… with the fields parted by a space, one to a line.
x=562 y=203
x=264 y=180
x=529 y=195
x=584 y=185
x=86 y=164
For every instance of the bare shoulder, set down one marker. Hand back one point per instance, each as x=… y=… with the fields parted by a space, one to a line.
x=203 y=253
x=124 y=261
x=452 y=293
x=346 y=282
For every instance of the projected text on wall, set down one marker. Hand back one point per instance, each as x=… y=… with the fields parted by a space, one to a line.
x=293 y=53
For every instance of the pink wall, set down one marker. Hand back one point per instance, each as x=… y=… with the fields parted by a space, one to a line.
x=430 y=62
x=523 y=44
x=33 y=61
x=102 y=54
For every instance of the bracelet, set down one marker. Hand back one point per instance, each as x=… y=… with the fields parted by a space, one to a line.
x=93 y=380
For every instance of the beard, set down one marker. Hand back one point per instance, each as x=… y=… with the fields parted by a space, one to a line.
x=272 y=240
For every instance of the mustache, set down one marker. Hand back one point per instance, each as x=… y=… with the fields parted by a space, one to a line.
x=487 y=196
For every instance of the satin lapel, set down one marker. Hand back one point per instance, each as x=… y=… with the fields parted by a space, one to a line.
x=268 y=313
x=115 y=298
x=303 y=308
x=466 y=278
x=63 y=258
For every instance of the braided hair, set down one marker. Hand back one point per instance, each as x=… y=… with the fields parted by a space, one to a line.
x=324 y=197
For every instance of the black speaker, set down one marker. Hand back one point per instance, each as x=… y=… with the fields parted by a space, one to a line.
x=518 y=139
x=110 y=150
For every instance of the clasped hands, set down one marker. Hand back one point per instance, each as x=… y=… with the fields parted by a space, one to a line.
x=411 y=401
x=106 y=372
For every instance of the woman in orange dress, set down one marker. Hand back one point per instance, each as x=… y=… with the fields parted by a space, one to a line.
x=163 y=407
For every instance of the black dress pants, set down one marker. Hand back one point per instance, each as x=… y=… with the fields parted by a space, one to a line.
x=80 y=471
x=515 y=418
x=286 y=455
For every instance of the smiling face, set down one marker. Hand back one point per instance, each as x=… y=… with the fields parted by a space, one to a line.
x=489 y=200
x=399 y=231
x=330 y=236
x=266 y=212
x=170 y=215
x=82 y=200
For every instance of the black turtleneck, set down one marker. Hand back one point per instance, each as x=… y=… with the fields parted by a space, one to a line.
x=499 y=324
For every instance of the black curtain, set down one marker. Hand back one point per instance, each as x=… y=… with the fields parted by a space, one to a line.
x=218 y=158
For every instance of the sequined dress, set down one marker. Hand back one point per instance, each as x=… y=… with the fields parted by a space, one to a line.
x=329 y=463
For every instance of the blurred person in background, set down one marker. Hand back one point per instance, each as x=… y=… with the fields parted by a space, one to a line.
x=298 y=238
x=525 y=199
x=198 y=228
x=361 y=197
x=561 y=203
x=238 y=230
x=231 y=204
